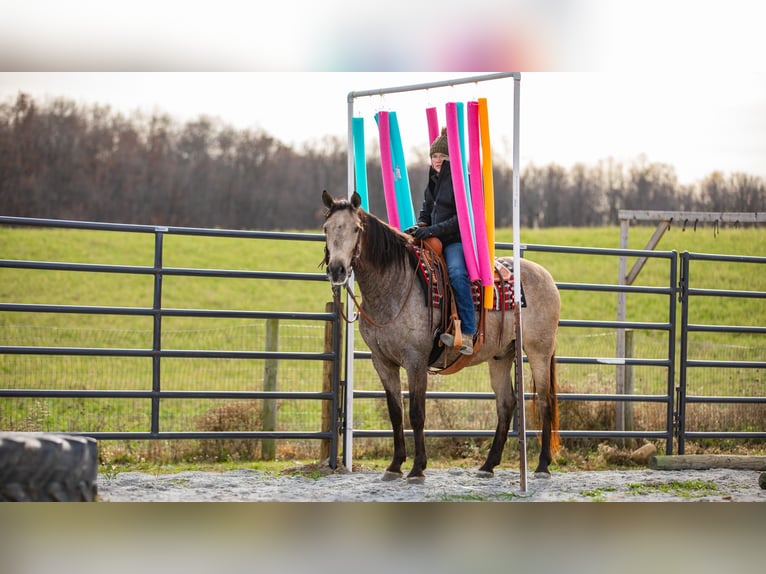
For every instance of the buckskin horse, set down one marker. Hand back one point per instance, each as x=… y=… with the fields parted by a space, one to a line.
x=399 y=330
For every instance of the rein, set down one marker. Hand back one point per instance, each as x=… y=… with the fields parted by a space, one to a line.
x=364 y=313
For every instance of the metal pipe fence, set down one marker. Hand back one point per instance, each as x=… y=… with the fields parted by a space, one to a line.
x=671 y=393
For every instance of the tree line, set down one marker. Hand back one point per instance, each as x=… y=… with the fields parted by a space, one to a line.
x=62 y=160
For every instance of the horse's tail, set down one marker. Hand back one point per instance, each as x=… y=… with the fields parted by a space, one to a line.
x=553 y=405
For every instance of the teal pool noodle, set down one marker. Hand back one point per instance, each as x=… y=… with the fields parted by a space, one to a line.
x=401 y=179
x=360 y=161
x=460 y=107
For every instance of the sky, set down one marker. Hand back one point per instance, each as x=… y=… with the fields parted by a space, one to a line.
x=695 y=123
x=679 y=82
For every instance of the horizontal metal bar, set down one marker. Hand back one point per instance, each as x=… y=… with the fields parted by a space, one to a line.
x=175 y=353
x=734 y=434
x=613 y=361
x=614 y=288
x=121 y=394
x=724 y=329
x=732 y=364
x=534 y=247
x=727 y=293
x=167 y=271
x=285 y=435
x=692 y=216
x=718 y=257
x=465 y=395
x=431 y=85
x=135 y=228
x=577 y=360
x=147 y=311
x=719 y=400
x=615 y=324
x=448 y=433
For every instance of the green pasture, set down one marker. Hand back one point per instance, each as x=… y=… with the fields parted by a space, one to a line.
x=135 y=332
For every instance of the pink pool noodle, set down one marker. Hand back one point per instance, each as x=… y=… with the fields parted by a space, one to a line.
x=477 y=195
x=433 y=125
x=464 y=223
x=387 y=168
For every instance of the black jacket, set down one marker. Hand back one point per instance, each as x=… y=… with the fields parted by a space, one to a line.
x=439 y=209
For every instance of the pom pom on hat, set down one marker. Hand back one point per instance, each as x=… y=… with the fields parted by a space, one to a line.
x=439 y=145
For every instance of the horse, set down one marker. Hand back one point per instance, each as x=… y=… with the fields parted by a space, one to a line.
x=399 y=333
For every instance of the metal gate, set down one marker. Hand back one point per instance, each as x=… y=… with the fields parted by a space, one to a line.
x=746 y=396
x=158 y=352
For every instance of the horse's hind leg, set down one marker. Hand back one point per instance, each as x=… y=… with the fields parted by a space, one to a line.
x=543 y=368
x=500 y=375
x=389 y=376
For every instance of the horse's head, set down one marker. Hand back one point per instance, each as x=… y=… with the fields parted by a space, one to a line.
x=343 y=229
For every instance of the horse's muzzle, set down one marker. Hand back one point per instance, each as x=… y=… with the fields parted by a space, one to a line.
x=337 y=274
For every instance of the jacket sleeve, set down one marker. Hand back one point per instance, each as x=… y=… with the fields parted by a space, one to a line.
x=446 y=227
x=428 y=205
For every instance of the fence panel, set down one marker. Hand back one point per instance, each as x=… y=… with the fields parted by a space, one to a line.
x=156 y=348
x=721 y=391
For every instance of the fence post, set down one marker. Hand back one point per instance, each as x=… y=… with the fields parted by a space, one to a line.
x=629 y=379
x=327 y=414
x=268 y=445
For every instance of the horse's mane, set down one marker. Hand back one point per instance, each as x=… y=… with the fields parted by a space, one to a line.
x=384 y=246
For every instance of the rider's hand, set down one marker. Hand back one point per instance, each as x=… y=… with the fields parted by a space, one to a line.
x=423 y=233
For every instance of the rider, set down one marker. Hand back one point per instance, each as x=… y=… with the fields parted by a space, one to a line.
x=438 y=218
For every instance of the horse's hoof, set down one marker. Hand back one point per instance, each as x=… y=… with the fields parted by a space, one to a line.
x=545 y=475
x=389 y=476
x=485 y=473
x=416 y=479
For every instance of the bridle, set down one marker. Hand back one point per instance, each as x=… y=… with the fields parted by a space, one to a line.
x=361 y=312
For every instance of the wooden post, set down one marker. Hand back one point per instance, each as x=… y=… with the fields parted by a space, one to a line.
x=268 y=445
x=706 y=461
x=619 y=422
x=327 y=414
x=629 y=379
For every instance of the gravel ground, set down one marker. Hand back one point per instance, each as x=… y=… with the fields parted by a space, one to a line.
x=441 y=485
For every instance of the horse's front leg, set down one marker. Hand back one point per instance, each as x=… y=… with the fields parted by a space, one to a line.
x=389 y=376
x=417 y=378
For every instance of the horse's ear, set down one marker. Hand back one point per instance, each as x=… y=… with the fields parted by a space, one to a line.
x=327 y=199
x=356 y=199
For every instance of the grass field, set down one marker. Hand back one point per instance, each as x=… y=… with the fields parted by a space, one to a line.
x=133 y=332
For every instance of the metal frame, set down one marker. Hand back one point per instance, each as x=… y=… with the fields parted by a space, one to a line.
x=349 y=362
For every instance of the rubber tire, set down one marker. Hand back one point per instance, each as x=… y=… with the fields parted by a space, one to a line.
x=45 y=467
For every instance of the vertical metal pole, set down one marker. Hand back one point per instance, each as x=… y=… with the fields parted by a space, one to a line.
x=157 y=330
x=348 y=447
x=622 y=271
x=681 y=406
x=517 y=289
x=335 y=402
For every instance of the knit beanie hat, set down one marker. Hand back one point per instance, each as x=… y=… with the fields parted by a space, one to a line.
x=439 y=145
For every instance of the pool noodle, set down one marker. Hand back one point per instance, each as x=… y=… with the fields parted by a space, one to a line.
x=466 y=179
x=458 y=182
x=360 y=161
x=489 y=189
x=477 y=196
x=386 y=166
x=401 y=179
x=433 y=125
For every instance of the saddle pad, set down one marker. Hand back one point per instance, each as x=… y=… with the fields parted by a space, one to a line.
x=500 y=300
